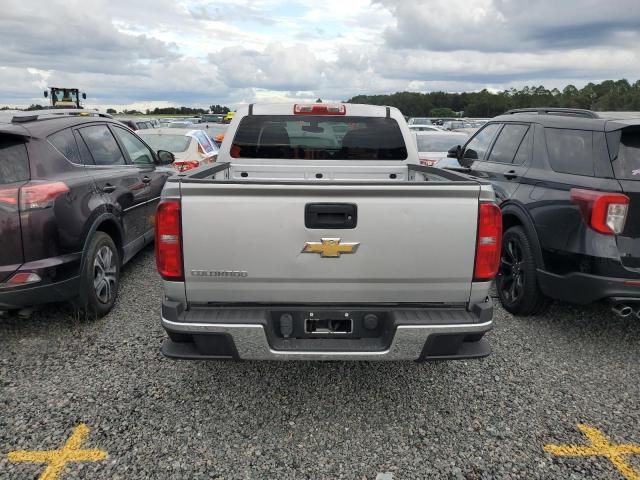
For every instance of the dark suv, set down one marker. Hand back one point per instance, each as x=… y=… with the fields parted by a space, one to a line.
x=78 y=193
x=568 y=182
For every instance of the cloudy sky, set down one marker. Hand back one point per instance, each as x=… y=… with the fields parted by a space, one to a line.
x=146 y=53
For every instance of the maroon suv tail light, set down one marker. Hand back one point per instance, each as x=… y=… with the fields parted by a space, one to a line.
x=36 y=195
x=9 y=196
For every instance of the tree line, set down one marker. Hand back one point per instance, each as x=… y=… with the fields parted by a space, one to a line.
x=175 y=111
x=156 y=111
x=610 y=95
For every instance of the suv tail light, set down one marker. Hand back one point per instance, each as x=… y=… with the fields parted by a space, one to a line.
x=319 y=109
x=488 y=242
x=9 y=196
x=169 y=240
x=36 y=195
x=23 y=278
x=604 y=212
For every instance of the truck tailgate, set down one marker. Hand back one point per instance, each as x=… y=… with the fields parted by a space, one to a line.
x=244 y=242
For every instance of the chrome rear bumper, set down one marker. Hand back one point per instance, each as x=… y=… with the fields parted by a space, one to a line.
x=249 y=342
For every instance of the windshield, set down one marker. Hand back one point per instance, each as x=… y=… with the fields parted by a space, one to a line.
x=319 y=138
x=64 y=95
x=438 y=143
x=172 y=143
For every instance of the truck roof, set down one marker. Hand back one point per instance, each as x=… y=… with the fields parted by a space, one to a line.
x=351 y=109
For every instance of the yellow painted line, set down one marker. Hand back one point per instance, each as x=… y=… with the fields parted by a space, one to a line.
x=58 y=459
x=600 y=447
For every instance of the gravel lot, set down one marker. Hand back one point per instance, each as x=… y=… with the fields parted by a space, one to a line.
x=159 y=418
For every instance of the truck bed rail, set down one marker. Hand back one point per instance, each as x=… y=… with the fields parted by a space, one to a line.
x=223 y=173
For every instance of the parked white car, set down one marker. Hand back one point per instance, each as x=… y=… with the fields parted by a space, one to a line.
x=433 y=146
x=181 y=124
x=425 y=128
x=419 y=121
x=192 y=148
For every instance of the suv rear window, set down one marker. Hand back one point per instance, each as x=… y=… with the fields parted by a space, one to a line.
x=65 y=143
x=627 y=163
x=570 y=151
x=103 y=146
x=318 y=138
x=14 y=163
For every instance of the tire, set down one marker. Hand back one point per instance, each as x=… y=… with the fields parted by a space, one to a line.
x=517 y=281
x=100 y=276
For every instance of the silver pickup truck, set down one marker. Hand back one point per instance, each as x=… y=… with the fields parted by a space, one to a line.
x=317 y=235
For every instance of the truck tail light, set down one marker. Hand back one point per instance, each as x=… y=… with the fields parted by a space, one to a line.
x=184 y=165
x=604 y=212
x=37 y=195
x=169 y=240
x=319 y=109
x=488 y=242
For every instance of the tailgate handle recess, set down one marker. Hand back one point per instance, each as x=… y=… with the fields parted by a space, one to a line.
x=331 y=215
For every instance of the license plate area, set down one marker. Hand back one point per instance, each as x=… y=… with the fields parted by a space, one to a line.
x=328 y=323
x=328 y=326
x=329 y=329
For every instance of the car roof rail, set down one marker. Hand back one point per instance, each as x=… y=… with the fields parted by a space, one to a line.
x=32 y=116
x=569 y=112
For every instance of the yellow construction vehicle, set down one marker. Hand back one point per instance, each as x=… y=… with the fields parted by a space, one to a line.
x=64 y=97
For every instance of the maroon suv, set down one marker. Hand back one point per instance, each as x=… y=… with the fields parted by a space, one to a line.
x=78 y=192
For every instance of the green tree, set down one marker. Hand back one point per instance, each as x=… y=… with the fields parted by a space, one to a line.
x=111 y=111
x=442 y=112
x=219 y=109
x=607 y=95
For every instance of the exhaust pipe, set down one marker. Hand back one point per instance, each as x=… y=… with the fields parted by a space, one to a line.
x=623 y=311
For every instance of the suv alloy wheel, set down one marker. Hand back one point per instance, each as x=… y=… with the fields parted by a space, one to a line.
x=517 y=283
x=100 y=276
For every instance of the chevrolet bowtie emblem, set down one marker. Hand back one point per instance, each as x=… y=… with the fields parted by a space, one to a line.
x=330 y=247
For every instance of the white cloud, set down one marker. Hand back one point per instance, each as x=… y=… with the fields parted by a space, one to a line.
x=203 y=52
x=277 y=67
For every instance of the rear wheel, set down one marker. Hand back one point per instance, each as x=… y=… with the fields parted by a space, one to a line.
x=517 y=282
x=100 y=277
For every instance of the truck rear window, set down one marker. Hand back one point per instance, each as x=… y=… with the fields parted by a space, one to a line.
x=318 y=138
x=627 y=163
x=14 y=163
